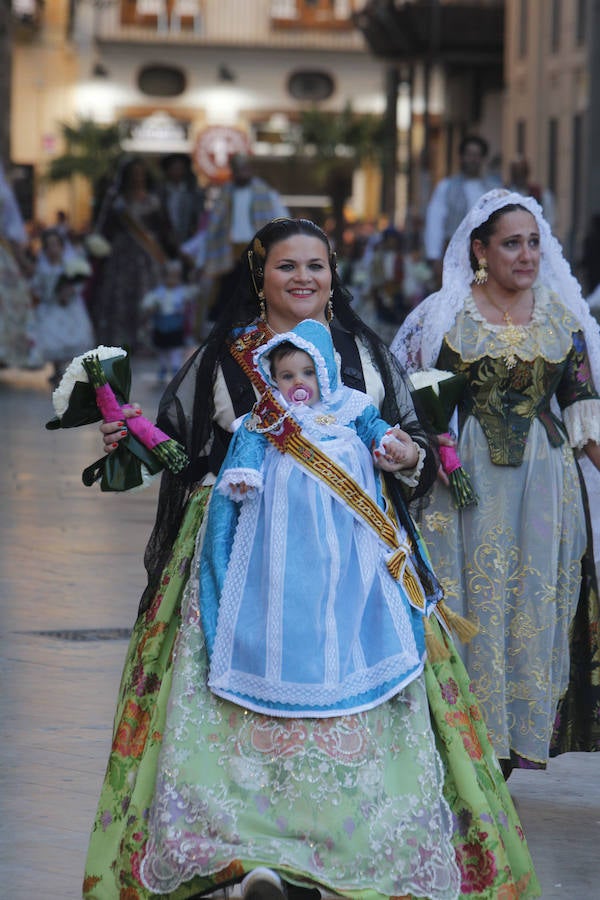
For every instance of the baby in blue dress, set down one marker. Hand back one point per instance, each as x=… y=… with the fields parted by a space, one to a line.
x=300 y=611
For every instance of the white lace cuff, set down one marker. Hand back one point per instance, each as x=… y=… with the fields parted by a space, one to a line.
x=411 y=477
x=582 y=421
x=231 y=479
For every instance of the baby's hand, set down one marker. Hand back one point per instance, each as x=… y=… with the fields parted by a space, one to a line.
x=239 y=484
x=239 y=490
x=396 y=451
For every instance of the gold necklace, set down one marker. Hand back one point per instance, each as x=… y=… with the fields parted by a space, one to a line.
x=505 y=313
x=512 y=335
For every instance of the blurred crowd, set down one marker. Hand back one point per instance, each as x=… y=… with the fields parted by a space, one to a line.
x=162 y=255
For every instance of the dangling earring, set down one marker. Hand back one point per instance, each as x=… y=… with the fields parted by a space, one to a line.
x=329 y=308
x=262 y=305
x=481 y=275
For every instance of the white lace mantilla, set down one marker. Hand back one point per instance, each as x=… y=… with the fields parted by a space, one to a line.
x=419 y=339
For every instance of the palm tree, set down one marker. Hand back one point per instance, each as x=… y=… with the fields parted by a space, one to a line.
x=92 y=151
x=337 y=143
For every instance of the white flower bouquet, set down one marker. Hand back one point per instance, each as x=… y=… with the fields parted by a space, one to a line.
x=438 y=392
x=76 y=268
x=96 y=386
x=97 y=245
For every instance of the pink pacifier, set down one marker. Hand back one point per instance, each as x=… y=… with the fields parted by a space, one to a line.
x=300 y=394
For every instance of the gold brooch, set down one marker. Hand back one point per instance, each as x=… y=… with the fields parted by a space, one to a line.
x=325 y=419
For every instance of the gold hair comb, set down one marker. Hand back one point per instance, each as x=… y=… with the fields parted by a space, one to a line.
x=259 y=249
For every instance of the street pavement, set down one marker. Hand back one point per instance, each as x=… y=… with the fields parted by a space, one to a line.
x=70 y=578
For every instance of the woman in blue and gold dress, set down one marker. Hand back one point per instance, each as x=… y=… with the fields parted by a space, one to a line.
x=510 y=317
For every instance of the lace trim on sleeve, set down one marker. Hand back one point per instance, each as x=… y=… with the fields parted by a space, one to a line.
x=582 y=421
x=411 y=477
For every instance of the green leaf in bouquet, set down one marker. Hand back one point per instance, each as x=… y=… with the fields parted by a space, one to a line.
x=82 y=408
x=433 y=408
x=121 y=470
x=451 y=391
x=118 y=373
x=438 y=408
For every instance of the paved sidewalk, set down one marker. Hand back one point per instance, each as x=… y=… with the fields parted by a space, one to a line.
x=71 y=568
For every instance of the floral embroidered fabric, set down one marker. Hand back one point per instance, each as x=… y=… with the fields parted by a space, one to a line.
x=489 y=846
x=265 y=786
x=512 y=563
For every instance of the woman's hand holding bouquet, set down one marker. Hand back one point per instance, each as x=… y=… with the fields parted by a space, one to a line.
x=438 y=393
x=96 y=386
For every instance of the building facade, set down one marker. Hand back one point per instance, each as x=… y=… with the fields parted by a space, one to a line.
x=447 y=56
x=551 y=110
x=198 y=76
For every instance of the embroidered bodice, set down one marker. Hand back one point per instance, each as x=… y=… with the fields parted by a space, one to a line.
x=513 y=373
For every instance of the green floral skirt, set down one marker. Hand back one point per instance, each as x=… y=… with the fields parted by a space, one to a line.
x=489 y=845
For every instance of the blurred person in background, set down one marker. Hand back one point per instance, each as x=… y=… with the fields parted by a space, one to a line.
x=49 y=265
x=453 y=197
x=168 y=305
x=63 y=328
x=15 y=299
x=243 y=205
x=182 y=197
x=134 y=221
x=590 y=257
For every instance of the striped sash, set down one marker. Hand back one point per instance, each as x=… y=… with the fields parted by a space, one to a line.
x=285 y=433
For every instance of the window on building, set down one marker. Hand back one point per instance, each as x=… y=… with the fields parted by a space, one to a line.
x=22 y=8
x=311 y=85
x=162 y=15
x=313 y=13
x=522 y=27
x=521 y=137
x=161 y=81
x=553 y=155
x=555 y=21
x=28 y=13
x=581 y=22
x=577 y=163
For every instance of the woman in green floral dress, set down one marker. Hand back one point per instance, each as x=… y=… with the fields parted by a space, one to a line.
x=403 y=800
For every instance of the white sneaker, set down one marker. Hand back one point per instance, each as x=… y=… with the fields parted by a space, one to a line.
x=263 y=884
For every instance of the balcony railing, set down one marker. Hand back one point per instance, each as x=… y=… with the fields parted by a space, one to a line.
x=326 y=24
x=464 y=32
